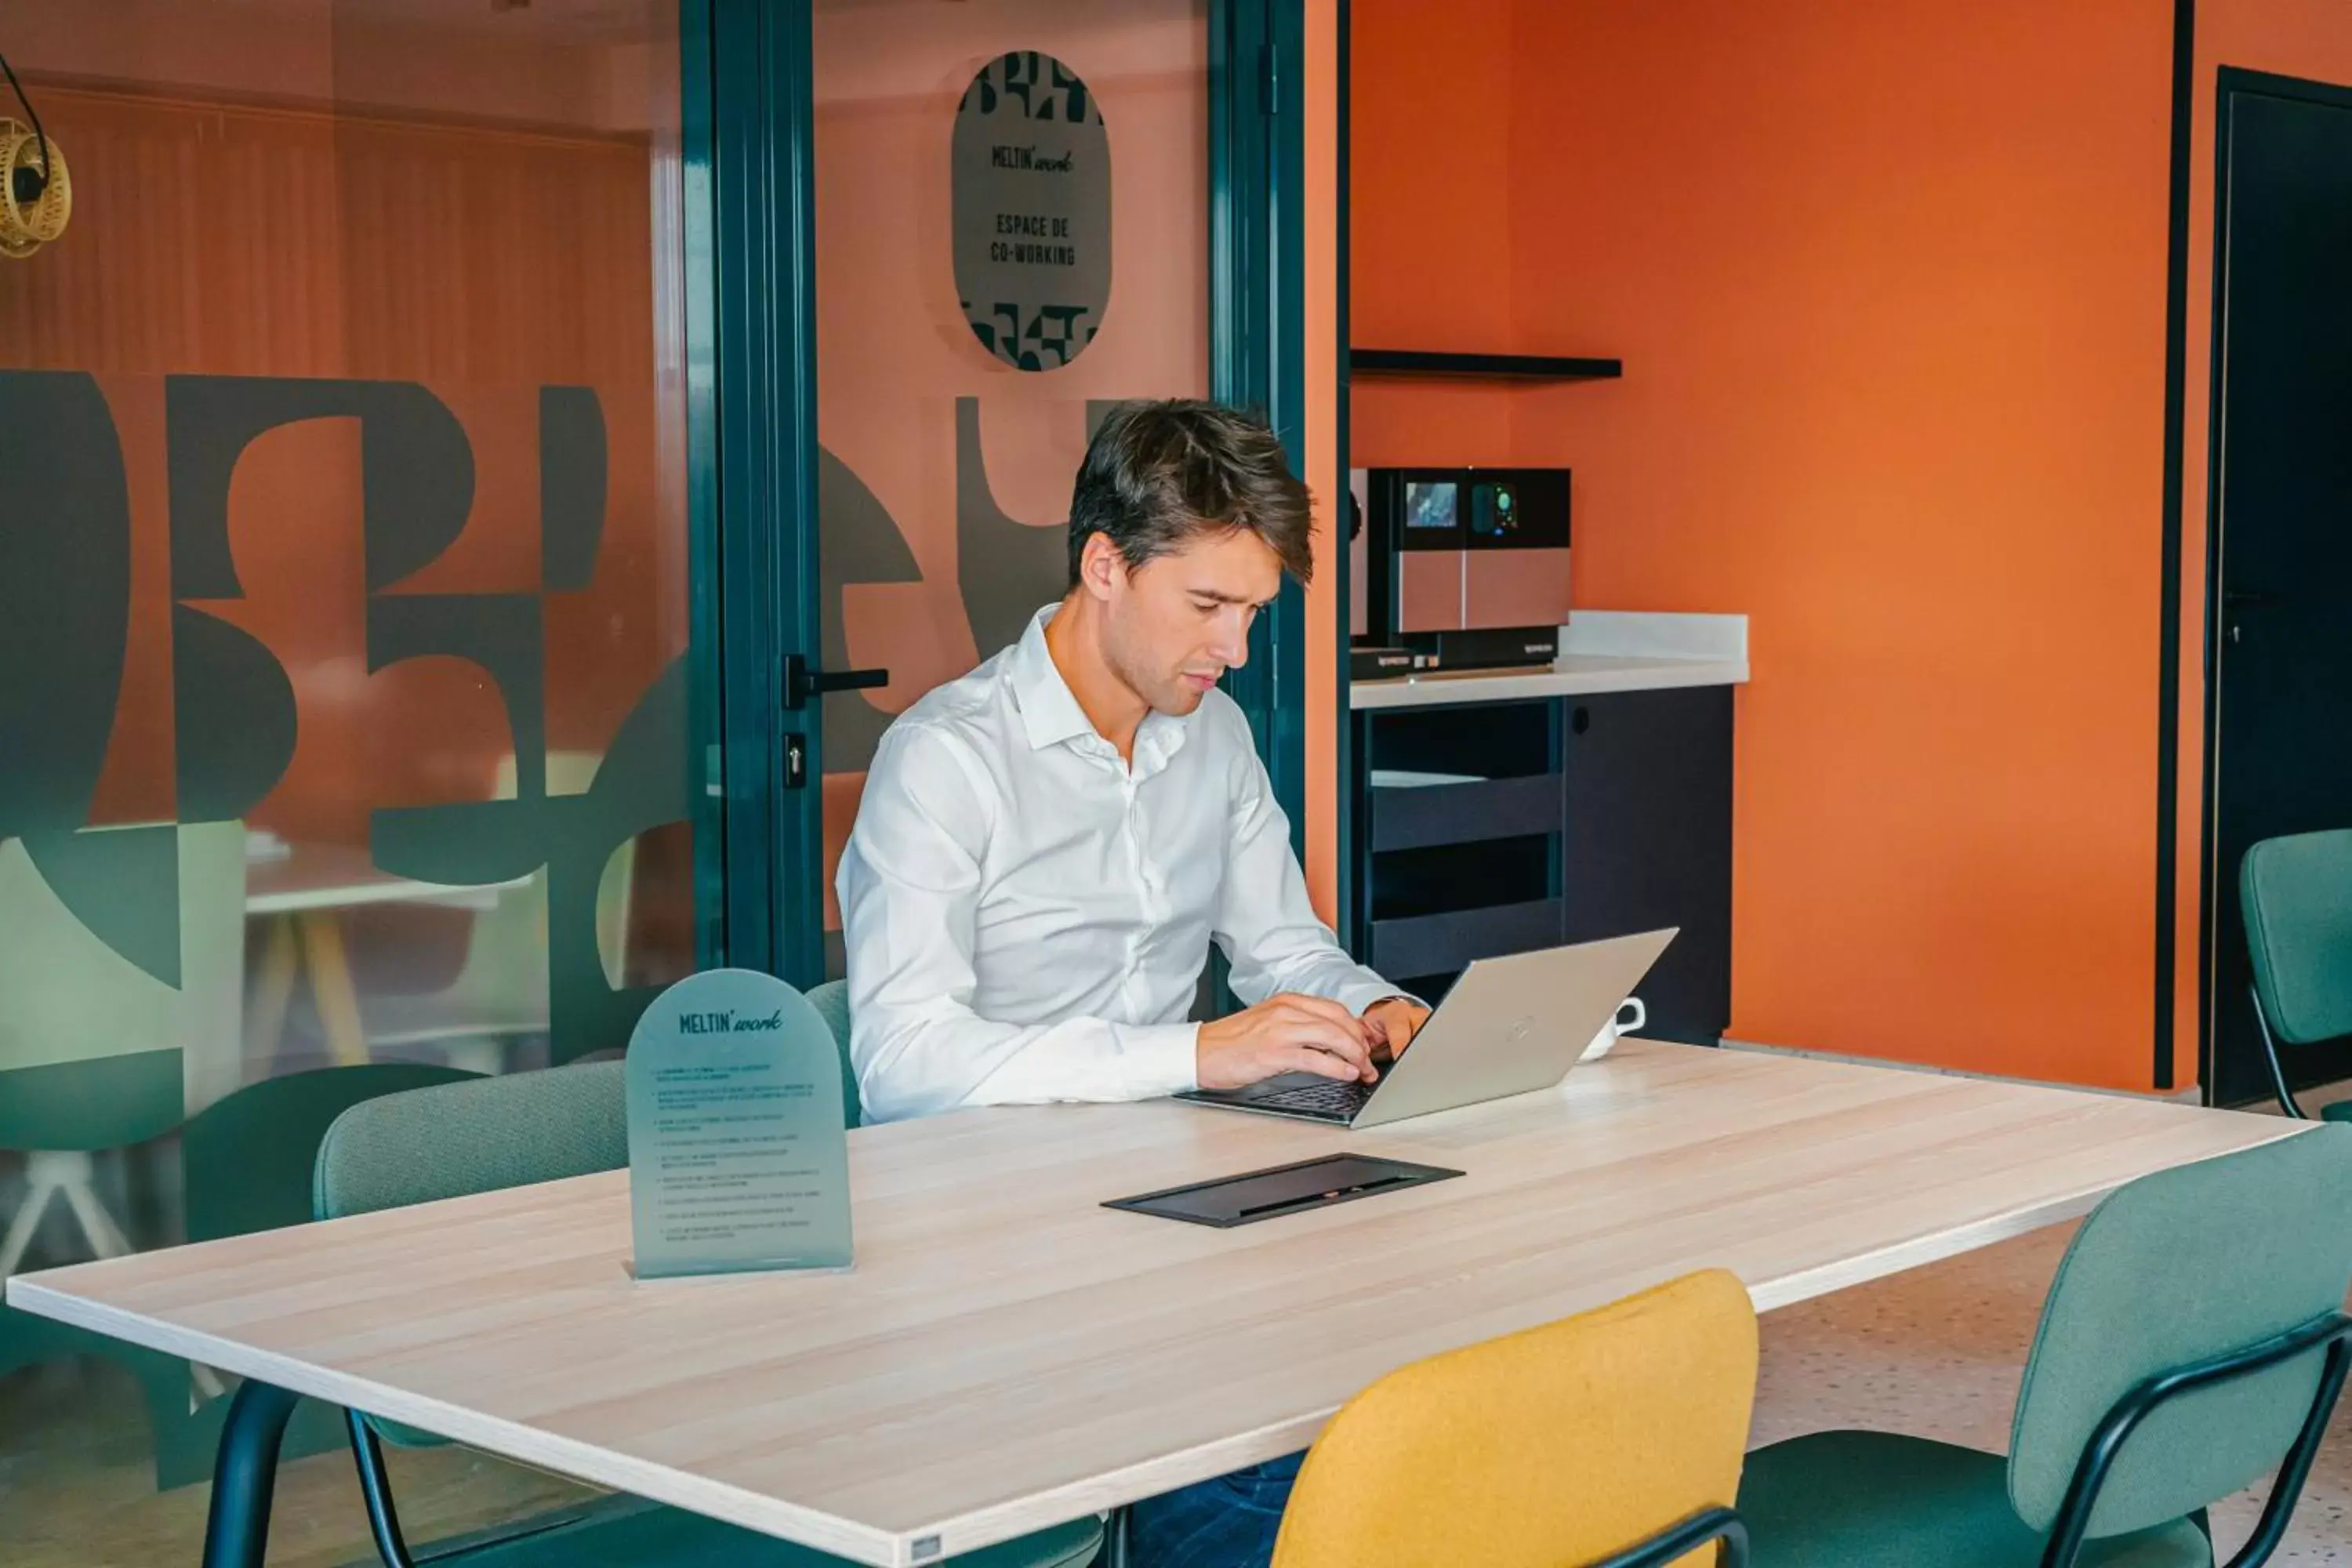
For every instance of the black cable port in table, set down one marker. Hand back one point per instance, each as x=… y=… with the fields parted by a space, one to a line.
x=1279 y=1190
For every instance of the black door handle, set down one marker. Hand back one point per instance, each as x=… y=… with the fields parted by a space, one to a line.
x=800 y=682
x=2248 y=598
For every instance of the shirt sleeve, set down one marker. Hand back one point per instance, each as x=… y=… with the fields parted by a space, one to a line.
x=1266 y=925
x=909 y=884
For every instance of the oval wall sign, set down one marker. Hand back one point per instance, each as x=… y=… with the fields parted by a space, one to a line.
x=1031 y=181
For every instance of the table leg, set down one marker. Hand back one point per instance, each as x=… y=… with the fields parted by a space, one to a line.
x=331 y=987
x=245 y=1476
x=273 y=988
x=1115 y=1539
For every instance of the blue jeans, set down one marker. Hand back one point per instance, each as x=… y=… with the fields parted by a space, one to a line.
x=1229 y=1522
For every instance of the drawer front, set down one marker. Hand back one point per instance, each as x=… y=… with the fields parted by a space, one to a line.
x=1441 y=944
x=1415 y=818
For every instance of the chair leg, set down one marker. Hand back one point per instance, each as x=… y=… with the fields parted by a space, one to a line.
x=2278 y=1068
x=2287 y=1489
x=106 y=1239
x=38 y=1193
x=375 y=1489
x=245 y=1476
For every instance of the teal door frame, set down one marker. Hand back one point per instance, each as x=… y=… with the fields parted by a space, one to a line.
x=752 y=412
x=1258 y=355
x=752 y=313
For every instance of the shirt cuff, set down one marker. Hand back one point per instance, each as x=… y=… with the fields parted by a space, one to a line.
x=1359 y=994
x=1159 y=1059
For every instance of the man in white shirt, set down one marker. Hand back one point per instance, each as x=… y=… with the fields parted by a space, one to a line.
x=1047 y=847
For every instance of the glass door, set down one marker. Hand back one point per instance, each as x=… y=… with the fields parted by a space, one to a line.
x=348 y=626
x=1015 y=227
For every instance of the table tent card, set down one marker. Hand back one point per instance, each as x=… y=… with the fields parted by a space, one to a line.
x=737 y=1157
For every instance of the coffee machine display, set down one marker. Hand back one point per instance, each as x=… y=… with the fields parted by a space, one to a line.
x=1461 y=568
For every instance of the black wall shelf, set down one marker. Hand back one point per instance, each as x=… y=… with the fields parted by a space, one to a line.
x=1502 y=367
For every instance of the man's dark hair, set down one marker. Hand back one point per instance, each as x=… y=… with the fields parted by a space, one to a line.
x=1158 y=474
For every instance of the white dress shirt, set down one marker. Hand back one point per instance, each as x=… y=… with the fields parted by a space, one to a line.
x=1027 y=916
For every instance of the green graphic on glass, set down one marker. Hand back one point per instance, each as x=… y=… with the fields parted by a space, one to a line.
x=738 y=1159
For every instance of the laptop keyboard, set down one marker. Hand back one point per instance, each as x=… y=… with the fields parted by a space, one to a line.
x=1332 y=1099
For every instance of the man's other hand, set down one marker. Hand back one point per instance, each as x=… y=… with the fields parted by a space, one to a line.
x=1288 y=1032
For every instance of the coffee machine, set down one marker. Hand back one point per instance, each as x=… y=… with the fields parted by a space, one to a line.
x=1457 y=568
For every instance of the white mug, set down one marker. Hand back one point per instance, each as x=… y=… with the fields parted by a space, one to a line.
x=1618 y=1024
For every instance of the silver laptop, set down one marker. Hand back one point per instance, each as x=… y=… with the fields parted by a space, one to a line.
x=1510 y=1025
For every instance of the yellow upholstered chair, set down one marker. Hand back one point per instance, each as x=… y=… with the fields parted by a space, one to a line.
x=1612 y=1437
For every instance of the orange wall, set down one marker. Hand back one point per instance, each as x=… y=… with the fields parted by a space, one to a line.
x=2310 y=38
x=1889 y=285
x=1320 y=84
x=1429 y=260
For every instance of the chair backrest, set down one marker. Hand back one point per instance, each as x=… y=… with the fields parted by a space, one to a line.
x=2296 y=896
x=1564 y=1443
x=2177 y=1269
x=251 y=1157
x=831 y=1001
x=458 y=1139
x=70 y=1004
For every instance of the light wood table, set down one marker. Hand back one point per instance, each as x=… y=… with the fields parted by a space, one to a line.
x=1007 y=1354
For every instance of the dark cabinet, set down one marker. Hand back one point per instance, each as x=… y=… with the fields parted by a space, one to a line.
x=1490 y=828
x=1646 y=842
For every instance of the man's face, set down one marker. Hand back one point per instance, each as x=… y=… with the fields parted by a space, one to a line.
x=1180 y=621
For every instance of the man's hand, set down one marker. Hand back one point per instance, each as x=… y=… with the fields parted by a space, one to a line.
x=1284 y=1034
x=1394 y=1021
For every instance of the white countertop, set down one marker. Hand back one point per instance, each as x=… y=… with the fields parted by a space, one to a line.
x=1601 y=651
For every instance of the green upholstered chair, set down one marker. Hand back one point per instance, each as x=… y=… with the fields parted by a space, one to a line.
x=831 y=1001
x=2193 y=1342
x=2296 y=896
x=492 y=1133
x=251 y=1159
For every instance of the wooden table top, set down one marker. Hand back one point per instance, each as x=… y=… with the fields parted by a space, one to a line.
x=1007 y=1354
x=341 y=876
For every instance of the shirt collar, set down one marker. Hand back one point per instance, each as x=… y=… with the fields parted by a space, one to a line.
x=1050 y=713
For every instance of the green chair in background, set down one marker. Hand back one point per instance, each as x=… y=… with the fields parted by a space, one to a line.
x=98 y=1054
x=251 y=1159
x=831 y=1001
x=2296 y=896
x=2194 y=1341
x=500 y=991
x=459 y=1139
x=95 y=1051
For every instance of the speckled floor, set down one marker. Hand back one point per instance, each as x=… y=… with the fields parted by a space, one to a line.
x=1938 y=1352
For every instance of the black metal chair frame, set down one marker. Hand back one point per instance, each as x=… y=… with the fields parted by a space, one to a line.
x=384 y=1518
x=2271 y=1059
x=2330 y=1331
x=1678 y=1540
x=1667 y=1546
